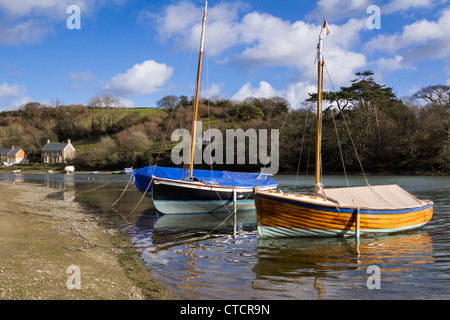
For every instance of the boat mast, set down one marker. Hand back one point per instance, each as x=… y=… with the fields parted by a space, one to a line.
x=318 y=185
x=199 y=71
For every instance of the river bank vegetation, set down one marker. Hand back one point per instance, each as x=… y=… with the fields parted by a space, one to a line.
x=389 y=134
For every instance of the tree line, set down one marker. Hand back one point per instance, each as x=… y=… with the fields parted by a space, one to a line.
x=364 y=122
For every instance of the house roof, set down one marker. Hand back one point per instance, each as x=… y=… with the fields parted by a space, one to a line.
x=56 y=146
x=4 y=150
x=9 y=151
x=14 y=151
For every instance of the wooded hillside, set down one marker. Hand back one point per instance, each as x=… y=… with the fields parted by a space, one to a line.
x=390 y=135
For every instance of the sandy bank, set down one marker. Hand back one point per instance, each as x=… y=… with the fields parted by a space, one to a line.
x=41 y=237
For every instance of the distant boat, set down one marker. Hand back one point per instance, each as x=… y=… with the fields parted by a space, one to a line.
x=16 y=171
x=341 y=211
x=94 y=172
x=69 y=169
x=127 y=170
x=181 y=191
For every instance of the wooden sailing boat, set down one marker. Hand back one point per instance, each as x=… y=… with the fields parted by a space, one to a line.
x=341 y=211
x=203 y=191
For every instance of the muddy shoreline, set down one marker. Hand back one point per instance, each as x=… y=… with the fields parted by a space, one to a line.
x=43 y=238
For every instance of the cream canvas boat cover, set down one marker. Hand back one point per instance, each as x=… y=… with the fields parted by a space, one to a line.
x=377 y=197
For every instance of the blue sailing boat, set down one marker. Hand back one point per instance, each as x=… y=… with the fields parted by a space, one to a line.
x=208 y=192
x=202 y=191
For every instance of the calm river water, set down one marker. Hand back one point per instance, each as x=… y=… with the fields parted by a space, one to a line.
x=199 y=259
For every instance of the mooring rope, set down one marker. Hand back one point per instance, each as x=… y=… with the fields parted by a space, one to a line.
x=103 y=185
x=123 y=192
x=143 y=195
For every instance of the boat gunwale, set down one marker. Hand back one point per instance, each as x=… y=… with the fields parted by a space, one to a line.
x=313 y=200
x=197 y=185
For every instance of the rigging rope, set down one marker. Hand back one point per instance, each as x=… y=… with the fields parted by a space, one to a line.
x=301 y=149
x=340 y=149
x=348 y=129
x=276 y=142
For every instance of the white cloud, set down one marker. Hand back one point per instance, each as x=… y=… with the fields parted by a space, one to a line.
x=338 y=10
x=223 y=30
x=418 y=33
x=53 y=9
x=80 y=80
x=30 y=31
x=28 y=7
x=295 y=94
x=275 y=42
x=29 y=21
x=342 y=65
x=213 y=91
x=261 y=40
x=272 y=41
x=13 y=96
x=141 y=79
x=127 y=103
x=255 y=41
x=264 y=90
x=8 y=91
x=177 y=19
x=14 y=104
x=80 y=76
x=263 y=37
x=403 y=5
x=181 y=22
x=383 y=64
x=419 y=40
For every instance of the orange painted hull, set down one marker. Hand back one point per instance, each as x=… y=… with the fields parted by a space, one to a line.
x=279 y=216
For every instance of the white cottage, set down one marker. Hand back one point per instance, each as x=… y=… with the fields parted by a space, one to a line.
x=57 y=152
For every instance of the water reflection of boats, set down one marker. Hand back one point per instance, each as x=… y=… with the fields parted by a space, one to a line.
x=190 y=255
x=168 y=224
x=301 y=260
x=17 y=177
x=64 y=186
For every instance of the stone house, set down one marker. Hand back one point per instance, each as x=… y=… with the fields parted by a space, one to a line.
x=57 y=152
x=10 y=156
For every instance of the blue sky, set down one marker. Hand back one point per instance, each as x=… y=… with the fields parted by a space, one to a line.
x=141 y=51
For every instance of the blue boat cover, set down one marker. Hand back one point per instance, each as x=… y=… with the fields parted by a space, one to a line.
x=142 y=177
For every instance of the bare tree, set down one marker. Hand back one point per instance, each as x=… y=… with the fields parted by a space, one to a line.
x=55 y=103
x=438 y=94
x=438 y=99
x=168 y=102
x=105 y=101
